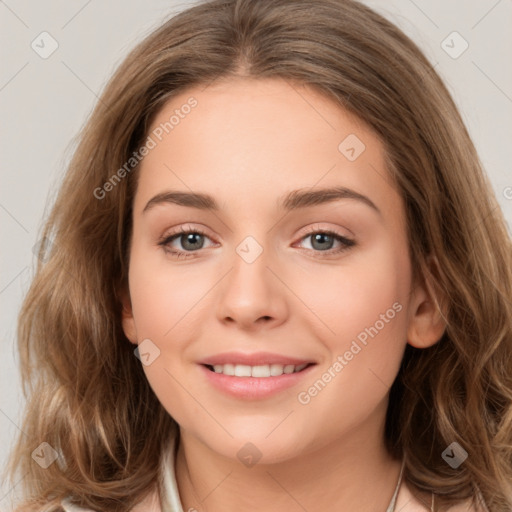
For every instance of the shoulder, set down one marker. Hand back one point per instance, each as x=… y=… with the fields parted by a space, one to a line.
x=69 y=507
x=413 y=501
x=150 y=504
x=469 y=506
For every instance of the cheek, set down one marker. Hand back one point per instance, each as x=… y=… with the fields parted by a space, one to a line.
x=363 y=307
x=165 y=307
x=354 y=296
x=165 y=296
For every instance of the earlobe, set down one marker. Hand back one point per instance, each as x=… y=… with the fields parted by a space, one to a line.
x=427 y=324
x=127 y=320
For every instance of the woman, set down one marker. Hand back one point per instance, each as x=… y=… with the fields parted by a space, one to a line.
x=260 y=370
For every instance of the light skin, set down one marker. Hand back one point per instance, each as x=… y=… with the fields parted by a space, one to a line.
x=248 y=143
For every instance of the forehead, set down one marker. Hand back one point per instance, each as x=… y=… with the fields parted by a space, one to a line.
x=254 y=140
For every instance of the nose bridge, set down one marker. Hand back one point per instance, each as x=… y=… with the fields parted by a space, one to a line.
x=251 y=290
x=250 y=274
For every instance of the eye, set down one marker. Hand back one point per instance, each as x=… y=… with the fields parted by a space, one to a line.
x=323 y=239
x=191 y=241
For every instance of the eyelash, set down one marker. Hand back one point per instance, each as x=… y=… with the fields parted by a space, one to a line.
x=346 y=242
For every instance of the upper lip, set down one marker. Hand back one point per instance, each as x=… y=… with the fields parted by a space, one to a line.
x=255 y=359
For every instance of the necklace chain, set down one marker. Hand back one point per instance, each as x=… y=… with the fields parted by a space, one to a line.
x=392 y=504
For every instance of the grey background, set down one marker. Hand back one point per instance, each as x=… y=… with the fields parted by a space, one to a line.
x=45 y=102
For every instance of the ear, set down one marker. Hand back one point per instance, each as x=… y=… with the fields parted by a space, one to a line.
x=127 y=319
x=428 y=305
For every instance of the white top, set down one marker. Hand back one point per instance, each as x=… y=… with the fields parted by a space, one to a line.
x=171 y=502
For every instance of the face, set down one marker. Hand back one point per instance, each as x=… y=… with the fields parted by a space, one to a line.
x=258 y=280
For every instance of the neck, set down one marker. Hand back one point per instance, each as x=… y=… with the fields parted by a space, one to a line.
x=352 y=472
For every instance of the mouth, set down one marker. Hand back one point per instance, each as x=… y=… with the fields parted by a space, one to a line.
x=259 y=371
x=255 y=376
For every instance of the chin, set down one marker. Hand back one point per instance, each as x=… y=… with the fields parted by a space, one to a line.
x=258 y=446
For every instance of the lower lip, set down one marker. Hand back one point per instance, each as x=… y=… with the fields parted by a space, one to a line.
x=254 y=388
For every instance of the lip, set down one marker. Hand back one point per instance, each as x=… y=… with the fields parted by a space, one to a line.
x=254 y=388
x=254 y=359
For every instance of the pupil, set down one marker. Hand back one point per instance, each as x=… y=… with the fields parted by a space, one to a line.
x=321 y=237
x=190 y=240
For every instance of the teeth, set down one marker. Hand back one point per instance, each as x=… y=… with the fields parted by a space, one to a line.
x=260 y=371
x=276 y=370
x=241 y=370
x=265 y=370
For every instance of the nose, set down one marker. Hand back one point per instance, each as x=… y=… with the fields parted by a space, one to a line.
x=252 y=296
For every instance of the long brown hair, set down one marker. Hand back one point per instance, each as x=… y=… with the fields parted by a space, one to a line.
x=87 y=395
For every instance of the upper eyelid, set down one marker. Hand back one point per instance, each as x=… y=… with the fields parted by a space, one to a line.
x=194 y=229
x=167 y=238
x=317 y=228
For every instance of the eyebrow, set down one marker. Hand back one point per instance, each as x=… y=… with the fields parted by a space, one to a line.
x=293 y=200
